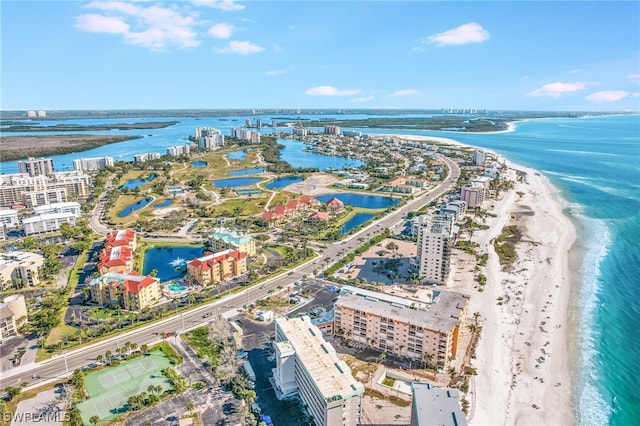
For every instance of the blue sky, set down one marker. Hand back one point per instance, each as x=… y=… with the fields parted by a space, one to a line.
x=328 y=54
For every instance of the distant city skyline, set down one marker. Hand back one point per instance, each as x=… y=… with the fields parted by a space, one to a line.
x=221 y=54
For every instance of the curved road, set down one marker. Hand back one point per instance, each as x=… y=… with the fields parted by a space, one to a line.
x=61 y=365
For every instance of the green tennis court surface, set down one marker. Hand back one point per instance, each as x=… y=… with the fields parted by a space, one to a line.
x=109 y=389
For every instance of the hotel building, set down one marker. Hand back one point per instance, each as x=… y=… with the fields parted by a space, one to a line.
x=436 y=237
x=217 y=267
x=92 y=164
x=9 y=218
x=141 y=158
x=479 y=157
x=33 y=199
x=133 y=292
x=308 y=366
x=246 y=135
x=36 y=167
x=223 y=239
x=209 y=138
x=424 y=331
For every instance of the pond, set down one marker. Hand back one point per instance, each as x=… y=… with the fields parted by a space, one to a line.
x=294 y=153
x=165 y=203
x=134 y=183
x=235 y=182
x=245 y=172
x=170 y=261
x=135 y=206
x=237 y=155
x=280 y=183
x=361 y=200
x=355 y=221
x=199 y=163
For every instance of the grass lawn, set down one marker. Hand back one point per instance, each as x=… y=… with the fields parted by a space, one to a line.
x=239 y=207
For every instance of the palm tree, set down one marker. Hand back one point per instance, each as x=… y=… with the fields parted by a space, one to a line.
x=190 y=407
x=100 y=358
x=476 y=316
x=94 y=420
x=108 y=355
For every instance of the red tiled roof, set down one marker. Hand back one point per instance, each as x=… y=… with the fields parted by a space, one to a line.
x=112 y=256
x=127 y=237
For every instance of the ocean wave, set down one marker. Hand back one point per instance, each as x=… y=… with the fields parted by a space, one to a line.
x=593 y=409
x=618 y=191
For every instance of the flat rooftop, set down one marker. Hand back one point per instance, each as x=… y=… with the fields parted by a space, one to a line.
x=329 y=373
x=442 y=315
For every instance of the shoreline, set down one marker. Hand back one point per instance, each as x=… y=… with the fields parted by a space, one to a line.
x=527 y=347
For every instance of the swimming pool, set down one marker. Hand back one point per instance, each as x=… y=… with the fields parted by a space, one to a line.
x=176 y=288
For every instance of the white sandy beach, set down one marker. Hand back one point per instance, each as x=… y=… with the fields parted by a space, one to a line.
x=523 y=357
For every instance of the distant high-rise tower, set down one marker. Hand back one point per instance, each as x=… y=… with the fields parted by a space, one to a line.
x=479 y=157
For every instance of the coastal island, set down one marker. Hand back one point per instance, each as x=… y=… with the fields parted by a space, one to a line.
x=19 y=147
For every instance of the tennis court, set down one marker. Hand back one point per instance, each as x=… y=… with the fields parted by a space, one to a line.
x=110 y=388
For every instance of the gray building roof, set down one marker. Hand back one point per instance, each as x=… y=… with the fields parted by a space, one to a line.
x=436 y=407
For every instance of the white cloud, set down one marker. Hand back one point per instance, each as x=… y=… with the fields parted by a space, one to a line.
x=95 y=23
x=363 y=99
x=151 y=26
x=221 y=30
x=405 y=92
x=240 y=48
x=464 y=34
x=330 y=91
x=608 y=96
x=556 y=90
x=417 y=49
x=228 y=5
x=633 y=76
x=279 y=72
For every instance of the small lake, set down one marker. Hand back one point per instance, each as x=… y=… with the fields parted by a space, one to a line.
x=361 y=200
x=355 y=221
x=134 y=183
x=165 y=203
x=171 y=261
x=235 y=182
x=237 y=155
x=282 y=182
x=135 y=206
x=294 y=153
x=199 y=163
x=245 y=172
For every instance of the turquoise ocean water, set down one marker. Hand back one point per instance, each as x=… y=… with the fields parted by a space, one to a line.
x=595 y=162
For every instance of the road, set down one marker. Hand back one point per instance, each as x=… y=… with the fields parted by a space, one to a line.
x=94 y=219
x=62 y=365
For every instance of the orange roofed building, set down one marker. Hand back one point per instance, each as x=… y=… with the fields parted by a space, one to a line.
x=122 y=237
x=292 y=208
x=133 y=292
x=115 y=259
x=217 y=267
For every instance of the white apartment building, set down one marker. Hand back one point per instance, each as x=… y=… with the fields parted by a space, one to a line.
x=147 y=156
x=92 y=164
x=8 y=218
x=300 y=131
x=332 y=130
x=473 y=195
x=36 y=166
x=46 y=196
x=422 y=330
x=46 y=222
x=434 y=406
x=20 y=268
x=436 y=237
x=209 y=138
x=479 y=157
x=17 y=188
x=68 y=207
x=308 y=366
x=176 y=151
x=246 y=135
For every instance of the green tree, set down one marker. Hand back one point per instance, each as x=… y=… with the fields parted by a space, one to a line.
x=94 y=420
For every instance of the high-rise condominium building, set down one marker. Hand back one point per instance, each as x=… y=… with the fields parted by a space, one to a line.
x=436 y=237
x=308 y=366
x=36 y=166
